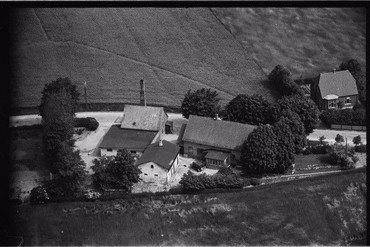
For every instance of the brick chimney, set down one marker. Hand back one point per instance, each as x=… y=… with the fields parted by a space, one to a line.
x=142 y=93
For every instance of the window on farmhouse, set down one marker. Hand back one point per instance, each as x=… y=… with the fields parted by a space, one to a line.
x=156 y=175
x=332 y=104
x=151 y=166
x=348 y=100
x=190 y=150
x=109 y=150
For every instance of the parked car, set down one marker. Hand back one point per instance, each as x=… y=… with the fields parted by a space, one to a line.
x=197 y=166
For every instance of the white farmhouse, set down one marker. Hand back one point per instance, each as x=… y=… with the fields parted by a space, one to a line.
x=159 y=161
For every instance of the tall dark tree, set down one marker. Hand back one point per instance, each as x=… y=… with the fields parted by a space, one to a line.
x=304 y=107
x=285 y=145
x=281 y=78
x=61 y=84
x=248 y=109
x=202 y=102
x=118 y=172
x=58 y=122
x=292 y=119
x=69 y=169
x=259 y=151
x=354 y=67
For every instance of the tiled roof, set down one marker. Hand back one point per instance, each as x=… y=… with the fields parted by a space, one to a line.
x=216 y=133
x=215 y=155
x=340 y=83
x=118 y=138
x=143 y=117
x=161 y=155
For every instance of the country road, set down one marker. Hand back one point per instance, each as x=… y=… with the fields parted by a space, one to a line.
x=108 y=118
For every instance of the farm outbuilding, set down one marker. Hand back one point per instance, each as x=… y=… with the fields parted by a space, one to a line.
x=220 y=140
x=159 y=161
x=140 y=126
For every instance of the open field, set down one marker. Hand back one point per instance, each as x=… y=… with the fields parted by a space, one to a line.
x=173 y=50
x=315 y=211
x=305 y=40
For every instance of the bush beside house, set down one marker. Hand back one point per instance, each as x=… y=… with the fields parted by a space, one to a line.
x=89 y=123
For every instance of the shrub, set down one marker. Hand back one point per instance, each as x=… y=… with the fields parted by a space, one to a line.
x=226 y=171
x=89 y=123
x=338 y=157
x=357 y=140
x=39 y=195
x=91 y=195
x=344 y=117
x=202 y=102
x=192 y=182
x=339 y=138
x=360 y=148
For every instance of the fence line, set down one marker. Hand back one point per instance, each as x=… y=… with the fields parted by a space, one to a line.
x=348 y=127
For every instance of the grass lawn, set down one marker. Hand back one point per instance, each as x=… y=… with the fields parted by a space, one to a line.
x=311 y=160
x=319 y=211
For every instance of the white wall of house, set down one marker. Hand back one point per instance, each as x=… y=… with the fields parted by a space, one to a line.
x=151 y=172
x=173 y=168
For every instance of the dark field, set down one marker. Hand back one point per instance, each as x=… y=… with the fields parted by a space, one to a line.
x=305 y=40
x=316 y=211
x=173 y=50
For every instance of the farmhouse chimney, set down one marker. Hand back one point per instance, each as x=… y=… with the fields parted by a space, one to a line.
x=160 y=140
x=142 y=93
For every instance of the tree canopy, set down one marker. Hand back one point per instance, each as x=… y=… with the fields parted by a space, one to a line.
x=116 y=172
x=202 y=102
x=248 y=109
x=280 y=77
x=258 y=154
x=304 y=107
x=60 y=84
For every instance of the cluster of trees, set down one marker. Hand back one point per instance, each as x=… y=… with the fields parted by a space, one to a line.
x=355 y=116
x=115 y=172
x=58 y=105
x=283 y=127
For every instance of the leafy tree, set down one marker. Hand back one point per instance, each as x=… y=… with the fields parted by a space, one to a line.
x=339 y=138
x=281 y=78
x=304 y=107
x=357 y=140
x=248 y=109
x=285 y=148
x=69 y=169
x=354 y=67
x=292 y=119
x=202 y=102
x=118 y=172
x=258 y=153
x=55 y=87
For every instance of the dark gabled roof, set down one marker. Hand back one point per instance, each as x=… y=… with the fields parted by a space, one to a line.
x=216 y=133
x=118 y=138
x=143 y=117
x=339 y=83
x=216 y=155
x=161 y=155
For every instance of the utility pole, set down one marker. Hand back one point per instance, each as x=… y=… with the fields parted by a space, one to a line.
x=85 y=86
